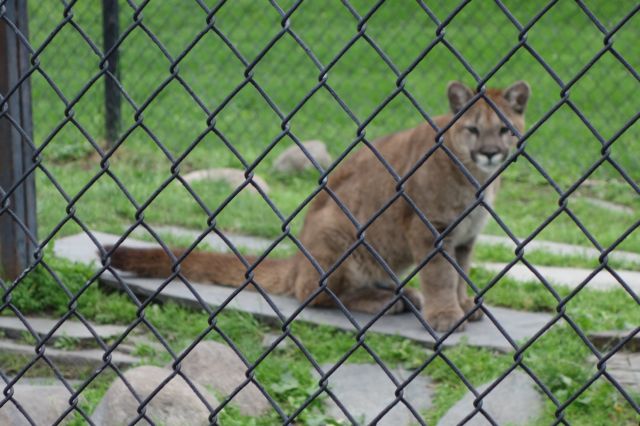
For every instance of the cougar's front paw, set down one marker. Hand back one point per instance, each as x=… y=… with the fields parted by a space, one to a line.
x=411 y=295
x=414 y=296
x=444 y=320
x=467 y=305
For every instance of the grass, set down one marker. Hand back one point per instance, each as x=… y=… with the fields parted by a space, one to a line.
x=171 y=121
x=172 y=118
x=559 y=358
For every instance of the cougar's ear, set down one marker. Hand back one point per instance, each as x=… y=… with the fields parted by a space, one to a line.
x=517 y=95
x=459 y=95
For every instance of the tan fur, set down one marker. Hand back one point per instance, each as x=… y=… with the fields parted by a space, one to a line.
x=438 y=189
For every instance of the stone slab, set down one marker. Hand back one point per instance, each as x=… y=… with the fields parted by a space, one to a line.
x=514 y=401
x=560 y=249
x=80 y=248
x=608 y=205
x=249 y=243
x=519 y=325
x=81 y=357
x=569 y=277
x=608 y=339
x=232 y=177
x=14 y=328
x=366 y=391
x=625 y=368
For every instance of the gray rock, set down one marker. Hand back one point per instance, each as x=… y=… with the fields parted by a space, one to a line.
x=79 y=357
x=176 y=404
x=514 y=401
x=43 y=403
x=217 y=367
x=13 y=327
x=232 y=177
x=365 y=391
x=293 y=159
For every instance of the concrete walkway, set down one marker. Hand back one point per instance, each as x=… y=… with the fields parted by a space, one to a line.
x=519 y=325
x=79 y=248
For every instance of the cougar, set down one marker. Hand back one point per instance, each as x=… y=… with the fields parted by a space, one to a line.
x=397 y=237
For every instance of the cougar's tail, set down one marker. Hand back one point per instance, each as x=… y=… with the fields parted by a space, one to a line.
x=217 y=268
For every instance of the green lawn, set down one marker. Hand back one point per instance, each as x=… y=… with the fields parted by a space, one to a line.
x=563 y=145
x=559 y=358
x=481 y=33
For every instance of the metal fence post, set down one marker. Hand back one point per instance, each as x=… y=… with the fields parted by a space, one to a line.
x=17 y=190
x=110 y=34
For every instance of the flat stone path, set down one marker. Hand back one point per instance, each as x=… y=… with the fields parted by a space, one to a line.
x=78 y=357
x=625 y=368
x=518 y=325
x=13 y=327
x=605 y=340
x=80 y=248
x=365 y=391
x=608 y=205
x=513 y=401
x=252 y=244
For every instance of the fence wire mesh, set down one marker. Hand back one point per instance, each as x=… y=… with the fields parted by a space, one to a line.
x=232 y=84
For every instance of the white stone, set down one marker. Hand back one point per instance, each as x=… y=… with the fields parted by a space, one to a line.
x=293 y=159
x=217 y=367
x=365 y=391
x=514 y=401
x=232 y=177
x=176 y=404
x=43 y=403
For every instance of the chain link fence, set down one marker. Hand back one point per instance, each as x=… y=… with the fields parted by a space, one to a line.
x=203 y=84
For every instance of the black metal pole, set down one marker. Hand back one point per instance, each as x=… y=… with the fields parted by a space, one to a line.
x=17 y=186
x=113 y=98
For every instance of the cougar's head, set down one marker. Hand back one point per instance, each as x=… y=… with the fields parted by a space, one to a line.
x=479 y=134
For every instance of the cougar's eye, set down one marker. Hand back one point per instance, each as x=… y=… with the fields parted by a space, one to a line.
x=473 y=130
x=504 y=130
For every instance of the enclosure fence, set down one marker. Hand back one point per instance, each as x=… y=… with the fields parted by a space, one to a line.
x=117 y=115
